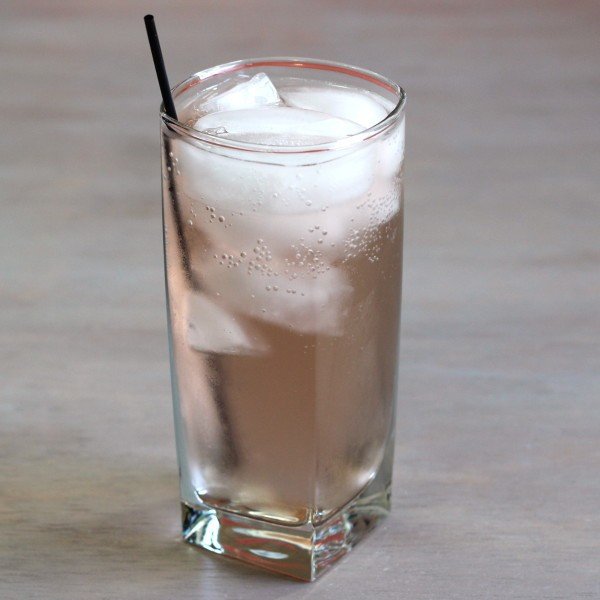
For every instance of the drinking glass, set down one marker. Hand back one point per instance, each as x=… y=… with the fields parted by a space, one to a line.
x=283 y=276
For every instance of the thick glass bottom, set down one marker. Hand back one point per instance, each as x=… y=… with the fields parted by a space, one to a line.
x=302 y=552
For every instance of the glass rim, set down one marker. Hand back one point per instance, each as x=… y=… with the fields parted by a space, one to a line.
x=310 y=63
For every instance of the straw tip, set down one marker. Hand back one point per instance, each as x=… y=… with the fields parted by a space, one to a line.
x=149 y=18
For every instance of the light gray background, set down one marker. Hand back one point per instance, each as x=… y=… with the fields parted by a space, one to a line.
x=497 y=485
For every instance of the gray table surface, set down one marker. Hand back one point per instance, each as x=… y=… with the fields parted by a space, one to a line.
x=497 y=483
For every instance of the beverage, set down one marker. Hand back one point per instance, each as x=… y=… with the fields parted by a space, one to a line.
x=283 y=248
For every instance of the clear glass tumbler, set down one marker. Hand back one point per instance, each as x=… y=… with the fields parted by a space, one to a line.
x=283 y=275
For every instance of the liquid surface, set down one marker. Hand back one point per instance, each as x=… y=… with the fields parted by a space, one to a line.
x=284 y=293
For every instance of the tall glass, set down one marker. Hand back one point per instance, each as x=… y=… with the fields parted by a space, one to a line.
x=283 y=277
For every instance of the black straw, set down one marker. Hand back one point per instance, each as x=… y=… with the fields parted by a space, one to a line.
x=159 y=65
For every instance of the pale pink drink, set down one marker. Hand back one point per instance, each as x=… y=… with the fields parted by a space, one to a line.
x=283 y=249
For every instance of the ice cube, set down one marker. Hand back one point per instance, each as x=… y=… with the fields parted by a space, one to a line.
x=320 y=199
x=277 y=126
x=251 y=93
x=308 y=303
x=358 y=106
x=320 y=207
x=292 y=238
x=213 y=329
x=247 y=181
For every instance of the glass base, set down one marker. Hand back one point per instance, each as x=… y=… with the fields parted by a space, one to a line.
x=302 y=552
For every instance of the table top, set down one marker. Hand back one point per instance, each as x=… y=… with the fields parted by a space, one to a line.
x=497 y=487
